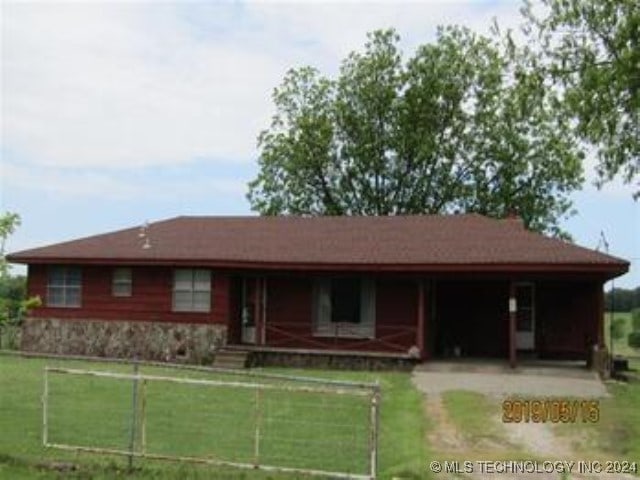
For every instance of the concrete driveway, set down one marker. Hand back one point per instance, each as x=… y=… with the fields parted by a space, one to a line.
x=550 y=382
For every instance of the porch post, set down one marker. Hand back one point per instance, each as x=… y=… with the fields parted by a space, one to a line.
x=420 y=329
x=263 y=334
x=600 y=313
x=513 y=308
x=256 y=311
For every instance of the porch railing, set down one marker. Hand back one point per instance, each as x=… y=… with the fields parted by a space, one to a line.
x=393 y=338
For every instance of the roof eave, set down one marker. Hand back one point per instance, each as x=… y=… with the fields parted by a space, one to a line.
x=610 y=270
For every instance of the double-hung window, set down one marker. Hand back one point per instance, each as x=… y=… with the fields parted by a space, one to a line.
x=64 y=287
x=121 y=282
x=191 y=290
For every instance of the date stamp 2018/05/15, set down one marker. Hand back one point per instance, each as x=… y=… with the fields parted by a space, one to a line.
x=554 y=410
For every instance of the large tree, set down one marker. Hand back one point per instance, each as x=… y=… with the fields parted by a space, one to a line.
x=9 y=221
x=591 y=49
x=465 y=125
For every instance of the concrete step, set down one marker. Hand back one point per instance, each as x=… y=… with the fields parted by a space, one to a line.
x=234 y=359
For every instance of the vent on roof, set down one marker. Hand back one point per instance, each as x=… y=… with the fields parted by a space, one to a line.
x=144 y=233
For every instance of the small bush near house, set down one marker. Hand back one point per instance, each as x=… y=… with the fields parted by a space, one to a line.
x=635 y=319
x=617 y=328
x=634 y=339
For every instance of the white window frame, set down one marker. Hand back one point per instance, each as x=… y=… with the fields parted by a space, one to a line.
x=323 y=326
x=62 y=280
x=190 y=288
x=122 y=282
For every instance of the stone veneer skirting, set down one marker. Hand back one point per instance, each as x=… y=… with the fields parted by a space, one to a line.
x=159 y=341
x=329 y=361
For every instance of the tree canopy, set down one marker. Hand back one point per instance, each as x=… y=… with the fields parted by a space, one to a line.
x=591 y=49
x=13 y=304
x=622 y=299
x=9 y=221
x=467 y=124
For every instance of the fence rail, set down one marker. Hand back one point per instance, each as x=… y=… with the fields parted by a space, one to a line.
x=286 y=424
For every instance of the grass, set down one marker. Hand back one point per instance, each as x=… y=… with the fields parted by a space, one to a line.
x=616 y=435
x=620 y=346
x=619 y=429
x=473 y=414
x=192 y=421
x=478 y=418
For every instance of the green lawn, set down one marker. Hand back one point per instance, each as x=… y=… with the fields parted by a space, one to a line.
x=619 y=428
x=472 y=413
x=301 y=430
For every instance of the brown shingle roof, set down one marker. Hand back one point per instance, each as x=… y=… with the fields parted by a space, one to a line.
x=395 y=243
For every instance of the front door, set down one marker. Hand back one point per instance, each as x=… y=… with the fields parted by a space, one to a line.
x=247 y=312
x=525 y=317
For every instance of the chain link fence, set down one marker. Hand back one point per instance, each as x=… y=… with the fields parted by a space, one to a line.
x=273 y=422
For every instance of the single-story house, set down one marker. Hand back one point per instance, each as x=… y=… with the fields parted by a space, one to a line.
x=421 y=286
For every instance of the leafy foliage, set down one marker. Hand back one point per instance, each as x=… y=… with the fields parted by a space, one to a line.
x=635 y=319
x=618 y=328
x=465 y=125
x=592 y=51
x=634 y=336
x=13 y=301
x=622 y=299
x=8 y=223
x=634 y=339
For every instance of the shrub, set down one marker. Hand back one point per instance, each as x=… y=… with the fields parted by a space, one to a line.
x=617 y=328
x=635 y=319
x=634 y=339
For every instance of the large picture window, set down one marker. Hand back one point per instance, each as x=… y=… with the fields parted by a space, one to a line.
x=191 y=290
x=64 y=287
x=344 y=307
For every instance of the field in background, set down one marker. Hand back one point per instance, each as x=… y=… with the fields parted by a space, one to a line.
x=402 y=425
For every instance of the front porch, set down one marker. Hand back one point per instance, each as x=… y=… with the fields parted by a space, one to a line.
x=266 y=356
x=411 y=317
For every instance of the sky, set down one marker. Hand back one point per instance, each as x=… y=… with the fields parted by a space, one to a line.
x=114 y=113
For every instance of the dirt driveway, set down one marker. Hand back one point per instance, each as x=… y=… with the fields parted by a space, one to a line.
x=449 y=439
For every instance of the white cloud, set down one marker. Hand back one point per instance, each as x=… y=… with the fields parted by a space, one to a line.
x=342 y=26
x=85 y=85
x=116 y=85
x=134 y=184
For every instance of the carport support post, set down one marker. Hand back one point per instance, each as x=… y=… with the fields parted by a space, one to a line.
x=513 y=308
x=420 y=329
x=257 y=321
x=600 y=312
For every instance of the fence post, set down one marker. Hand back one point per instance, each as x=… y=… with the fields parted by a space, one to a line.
x=143 y=418
x=45 y=409
x=373 y=439
x=258 y=419
x=134 y=416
